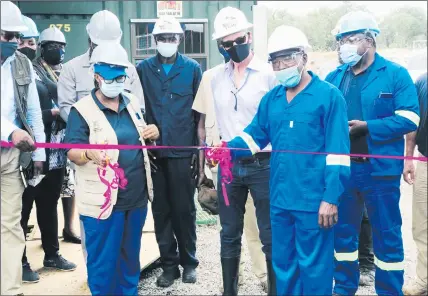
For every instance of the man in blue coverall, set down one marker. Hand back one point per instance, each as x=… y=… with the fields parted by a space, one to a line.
x=382 y=108
x=170 y=82
x=303 y=114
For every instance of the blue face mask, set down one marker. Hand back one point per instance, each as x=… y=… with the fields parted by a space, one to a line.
x=8 y=49
x=349 y=54
x=289 y=77
x=224 y=53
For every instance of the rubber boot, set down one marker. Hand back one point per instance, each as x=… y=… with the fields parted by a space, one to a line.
x=68 y=209
x=271 y=278
x=230 y=271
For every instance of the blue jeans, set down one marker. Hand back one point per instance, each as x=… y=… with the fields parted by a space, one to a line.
x=247 y=177
x=381 y=196
x=113 y=247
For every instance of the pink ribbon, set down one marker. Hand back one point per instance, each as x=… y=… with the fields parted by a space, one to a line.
x=118 y=181
x=222 y=156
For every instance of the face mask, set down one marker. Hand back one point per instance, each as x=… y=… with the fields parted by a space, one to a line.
x=224 y=54
x=8 y=49
x=239 y=52
x=29 y=52
x=289 y=77
x=54 y=56
x=349 y=54
x=167 y=50
x=113 y=89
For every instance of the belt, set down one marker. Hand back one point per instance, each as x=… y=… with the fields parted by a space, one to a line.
x=360 y=159
x=255 y=157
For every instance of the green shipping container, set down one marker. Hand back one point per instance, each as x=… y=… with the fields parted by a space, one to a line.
x=137 y=20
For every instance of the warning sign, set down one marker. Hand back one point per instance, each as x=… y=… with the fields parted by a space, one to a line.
x=172 y=8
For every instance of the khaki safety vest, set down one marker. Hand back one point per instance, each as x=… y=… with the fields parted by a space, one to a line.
x=89 y=189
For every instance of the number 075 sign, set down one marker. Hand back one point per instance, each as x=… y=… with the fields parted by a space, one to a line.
x=172 y=8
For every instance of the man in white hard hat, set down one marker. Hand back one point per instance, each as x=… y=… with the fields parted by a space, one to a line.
x=21 y=124
x=204 y=104
x=382 y=108
x=237 y=91
x=303 y=114
x=170 y=81
x=75 y=81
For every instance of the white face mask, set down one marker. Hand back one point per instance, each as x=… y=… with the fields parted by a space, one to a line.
x=113 y=89
x=167 y=50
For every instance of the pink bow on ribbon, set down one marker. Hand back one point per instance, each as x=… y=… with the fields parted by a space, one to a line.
x=119 y=181
x=224 y=159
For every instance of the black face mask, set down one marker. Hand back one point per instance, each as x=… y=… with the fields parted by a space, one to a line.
x=29 y=52
x=53 y=56
x=239 y=52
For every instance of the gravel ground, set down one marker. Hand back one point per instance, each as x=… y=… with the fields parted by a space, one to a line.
x=209 y=271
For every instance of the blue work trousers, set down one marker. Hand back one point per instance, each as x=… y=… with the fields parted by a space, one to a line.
x=113 y=252
x=247 y=177
x=381 y=196
x=302 y=253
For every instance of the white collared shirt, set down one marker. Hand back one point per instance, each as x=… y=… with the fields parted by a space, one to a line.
x=9 y=119
x=259 y=79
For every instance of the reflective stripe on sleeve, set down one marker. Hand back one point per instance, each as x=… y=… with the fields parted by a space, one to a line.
x=412 y=116
x=250 y=142
x=333 y=159
x=352 y=256
x=394 y=266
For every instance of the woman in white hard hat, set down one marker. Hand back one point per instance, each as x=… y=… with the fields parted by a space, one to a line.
x=46 y=193
x=112 y=202
x=28 y=40
x=302 y=114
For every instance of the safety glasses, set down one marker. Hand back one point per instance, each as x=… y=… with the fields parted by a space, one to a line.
x=353 y=39
x=285 y=61
x=10 y=35
x=230 y=43
x=119 y=79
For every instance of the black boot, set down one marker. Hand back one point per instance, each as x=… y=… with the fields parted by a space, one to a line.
x=230 y=271
x=271 y=278
x=68 y=209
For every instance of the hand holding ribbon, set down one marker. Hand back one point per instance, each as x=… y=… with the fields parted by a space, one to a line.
x=222 y=156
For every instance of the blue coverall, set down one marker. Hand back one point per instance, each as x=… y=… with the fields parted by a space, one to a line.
x=314 y=121
x=390 y=108
x=169 y=93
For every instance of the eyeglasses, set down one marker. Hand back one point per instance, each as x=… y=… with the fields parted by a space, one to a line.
x=284 y=62
x=239 y=40
x=119 y=79
x=10 y=35
x=350 y=40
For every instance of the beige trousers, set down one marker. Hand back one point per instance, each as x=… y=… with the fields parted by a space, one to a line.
x=251 y=231
x=12 y=236
x=420 y=219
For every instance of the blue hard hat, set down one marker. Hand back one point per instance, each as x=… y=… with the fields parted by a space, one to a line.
x=32 y=31
x=356 y=22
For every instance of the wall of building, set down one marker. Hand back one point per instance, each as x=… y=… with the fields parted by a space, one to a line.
x=72 y=17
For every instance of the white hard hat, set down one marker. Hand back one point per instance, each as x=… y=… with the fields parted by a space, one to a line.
x=287 y=37
x=52 y=34
x=32 y=31
x=167 y=25
x=228 y=21
x=110 y=53
x=104 y=26
x=354 y=22
x=11 y=18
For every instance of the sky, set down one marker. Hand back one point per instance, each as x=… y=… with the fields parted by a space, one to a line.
x=376 y=7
